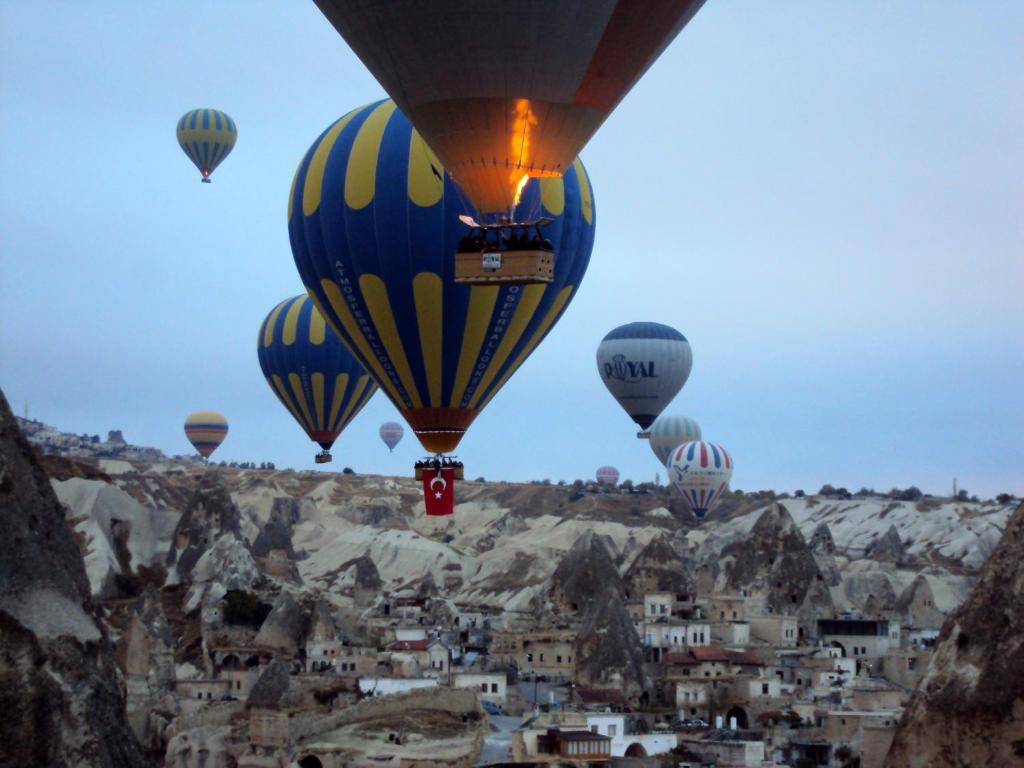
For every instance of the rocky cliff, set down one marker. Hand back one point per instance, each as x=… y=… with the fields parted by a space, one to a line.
x=59 y=687
x=968 y=709
x=775 y=563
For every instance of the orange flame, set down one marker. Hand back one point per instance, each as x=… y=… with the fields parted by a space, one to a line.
x=519 y=146
x=519 y=189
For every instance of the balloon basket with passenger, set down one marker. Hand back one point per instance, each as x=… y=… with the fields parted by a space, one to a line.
x=323 y=457
x=438 y=475
x=506 y=252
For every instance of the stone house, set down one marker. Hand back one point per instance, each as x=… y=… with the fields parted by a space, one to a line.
x=777 y=631
x=490 y=685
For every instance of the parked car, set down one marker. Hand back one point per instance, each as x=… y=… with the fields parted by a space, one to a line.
x=491 y=708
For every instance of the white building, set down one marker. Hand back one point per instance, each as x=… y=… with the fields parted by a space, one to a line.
x=630 y=744
x=732 y=634
x=658 y=604
x=386 y=686
x=860 y=638
x=491 y=685
x=410 y=634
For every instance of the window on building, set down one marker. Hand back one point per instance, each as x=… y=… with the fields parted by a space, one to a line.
x=542 y=657
x=593 y=729
x=529 y=657
x=483 y=687
x=494 y=687
x=612 y=730
x=764 y=688
x=558 y=659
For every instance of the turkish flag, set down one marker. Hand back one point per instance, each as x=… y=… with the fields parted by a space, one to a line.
x=439 y=490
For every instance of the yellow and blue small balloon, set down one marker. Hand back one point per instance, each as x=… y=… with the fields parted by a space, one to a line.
x=207 y=136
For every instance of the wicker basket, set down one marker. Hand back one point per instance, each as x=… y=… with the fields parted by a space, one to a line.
x=504 y=267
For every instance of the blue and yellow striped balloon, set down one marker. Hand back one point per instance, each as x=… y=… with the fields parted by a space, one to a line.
x=207 y=136
x=669 y=432
x=373 y=222
x=312 y=373
x=205 y=430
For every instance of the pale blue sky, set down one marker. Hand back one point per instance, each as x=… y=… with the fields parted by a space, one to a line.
x=827 y=198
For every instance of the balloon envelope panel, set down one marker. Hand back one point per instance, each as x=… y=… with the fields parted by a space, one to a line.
x=500 y=89
x=311 y=371
x=644 y=365
x=701 y=471
x=207 y=136
x=206 y=430
x=373 y=223
x=668 y=432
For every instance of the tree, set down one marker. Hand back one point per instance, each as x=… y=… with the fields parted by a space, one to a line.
x=799 y=493
x=913 y=493
x=348 y=471
x=962 y=495
x=827 y=490
x=627 y=485
x=1005 y=498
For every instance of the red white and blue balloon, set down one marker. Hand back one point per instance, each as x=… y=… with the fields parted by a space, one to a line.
x=701 y=471
x=607 y=476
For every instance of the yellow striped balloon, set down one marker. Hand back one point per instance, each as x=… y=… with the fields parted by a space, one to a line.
x=373 y=223
x=311 y=371
x=207 y=136
x=206 y=430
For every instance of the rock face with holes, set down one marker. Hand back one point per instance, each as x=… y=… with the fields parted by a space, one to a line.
x=968 y=709
x=775 y=564
x=59 y=688
x=659 y=567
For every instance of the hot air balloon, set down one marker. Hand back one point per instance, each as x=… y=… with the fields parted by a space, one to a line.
x=502 y=91
x=607 y=476
x=644 y=365
x=668 y=432
x=701 y=471
x=312 y=373
x=391 y=433
x=206 y=430
x=372 y=238
x=207 y=136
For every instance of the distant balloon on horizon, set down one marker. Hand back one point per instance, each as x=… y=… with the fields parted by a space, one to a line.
x=391 y=433
x=206 y=136
x=644 y=365
x=206 y=430
x=669 y=432
x=607 y=476
x=701 y=471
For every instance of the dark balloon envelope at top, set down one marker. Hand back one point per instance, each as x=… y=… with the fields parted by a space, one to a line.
x=510 y=89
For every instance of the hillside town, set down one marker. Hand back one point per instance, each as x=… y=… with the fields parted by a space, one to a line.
x=265 y=618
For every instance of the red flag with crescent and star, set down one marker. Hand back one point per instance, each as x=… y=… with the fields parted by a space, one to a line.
x=439 y=490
